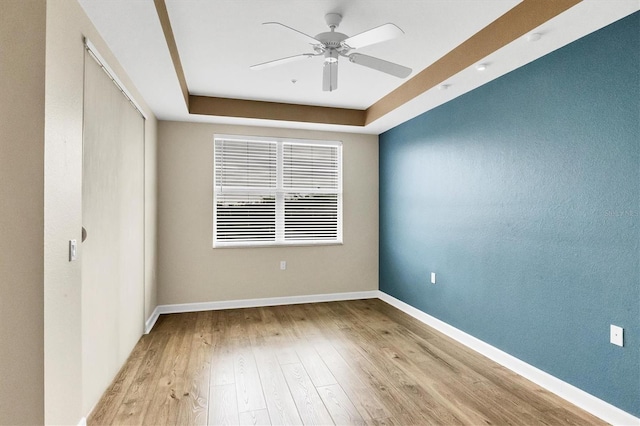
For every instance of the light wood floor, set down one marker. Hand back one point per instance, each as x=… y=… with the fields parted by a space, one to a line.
x=356 y=362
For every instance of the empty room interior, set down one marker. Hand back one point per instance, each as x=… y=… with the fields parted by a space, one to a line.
x=368 y=212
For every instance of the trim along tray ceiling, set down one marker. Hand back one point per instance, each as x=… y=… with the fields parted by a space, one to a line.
x=190 y=60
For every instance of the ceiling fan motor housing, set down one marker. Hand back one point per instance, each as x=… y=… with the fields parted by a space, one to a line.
x=332 y=41
x=331 y=38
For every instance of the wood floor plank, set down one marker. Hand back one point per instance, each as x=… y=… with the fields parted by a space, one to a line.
x=568 y=416
x=309 y=404
x=400 y=393
x=164 y=405
x=222 y=372
x=363 y=357
x=443 y=361
x=353 y=362
x=284 y=348
x=280 y=404
x=194 y=396
x=138 y=398
x=403 y=319
x=238 y=323
x=364 y=397
x=459 y=389
x=491 y=388
x=287 y=355
x=256 y=328
x=369 y=352
x=389 y=421
x=316 y=369
x=301 y=324
x=442 y=366
x=247 y=379
x=330 y=320
x=340 y=406
x=281 y=313
x=106 y=410
x=270 y=325
x=223 y=406
x=254 y=418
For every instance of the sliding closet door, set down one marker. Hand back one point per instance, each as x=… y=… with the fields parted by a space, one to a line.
x=113 y=216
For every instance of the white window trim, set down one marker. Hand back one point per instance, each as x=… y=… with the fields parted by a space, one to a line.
x=280 y=191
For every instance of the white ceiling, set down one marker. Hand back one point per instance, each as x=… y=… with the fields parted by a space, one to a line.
x=219 y=39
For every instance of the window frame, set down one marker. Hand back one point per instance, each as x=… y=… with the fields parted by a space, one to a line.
x=280 y=193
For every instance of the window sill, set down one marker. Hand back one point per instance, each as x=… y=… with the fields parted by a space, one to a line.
x=272 y=245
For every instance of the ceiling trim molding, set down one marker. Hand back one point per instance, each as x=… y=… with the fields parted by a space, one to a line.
x=226 y=107
x=518 y=21
x=523 y=18
x=163 y=14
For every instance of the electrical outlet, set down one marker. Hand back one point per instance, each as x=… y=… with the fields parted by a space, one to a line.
x=616 y=335
x=283 y=265
x=433 y=278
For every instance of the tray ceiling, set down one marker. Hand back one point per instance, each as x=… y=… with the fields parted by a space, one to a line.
x=218 y=40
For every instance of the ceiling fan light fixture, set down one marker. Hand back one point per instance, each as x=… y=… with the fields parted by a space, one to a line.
x=330 y=56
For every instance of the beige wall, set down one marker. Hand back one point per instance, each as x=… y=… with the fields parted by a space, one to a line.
x=66 y=25
x=22 y=58
x=190 y=270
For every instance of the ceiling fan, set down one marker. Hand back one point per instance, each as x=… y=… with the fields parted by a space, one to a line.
x=332 y=45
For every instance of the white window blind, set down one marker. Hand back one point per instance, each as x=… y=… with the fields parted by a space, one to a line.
x=276 y=192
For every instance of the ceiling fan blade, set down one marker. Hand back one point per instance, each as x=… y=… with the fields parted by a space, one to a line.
x=305 y=37
x=380 y=65
x=375 y=35
x=281 y=61
x=330 y=76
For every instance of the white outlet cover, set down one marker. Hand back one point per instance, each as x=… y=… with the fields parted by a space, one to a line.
x=283 y=265
x=617 y=335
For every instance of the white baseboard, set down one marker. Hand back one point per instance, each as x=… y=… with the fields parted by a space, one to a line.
x=578 y=397
x=151 y=321
x=254 y=303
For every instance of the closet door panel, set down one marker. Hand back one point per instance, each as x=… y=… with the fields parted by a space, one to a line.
x=113 y=213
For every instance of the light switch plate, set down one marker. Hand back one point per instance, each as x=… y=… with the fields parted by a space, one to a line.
x=617 y=335
x=73 y=250
x=433 y=278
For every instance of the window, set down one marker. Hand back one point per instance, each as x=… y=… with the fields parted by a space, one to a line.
x=276 y=192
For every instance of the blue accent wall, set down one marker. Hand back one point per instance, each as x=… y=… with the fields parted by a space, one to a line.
x=524 y=197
